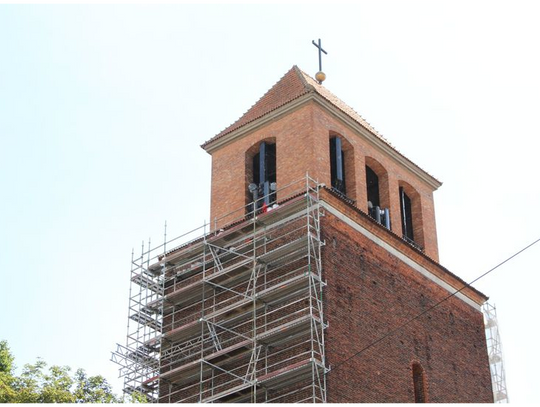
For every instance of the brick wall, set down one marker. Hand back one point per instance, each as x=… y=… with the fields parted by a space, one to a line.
x=370 y=292
x=302 y=146
x=294 y=157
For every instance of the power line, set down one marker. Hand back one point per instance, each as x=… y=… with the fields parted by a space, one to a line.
x=393 y=331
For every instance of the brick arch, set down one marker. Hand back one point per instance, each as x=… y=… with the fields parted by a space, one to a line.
x=348 y=165
x=248 y=163
x=419 y=382
x=254 y=149
x=382 y=174
x=416 y=203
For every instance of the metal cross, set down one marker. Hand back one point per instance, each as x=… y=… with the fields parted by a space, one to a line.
x=320 y=50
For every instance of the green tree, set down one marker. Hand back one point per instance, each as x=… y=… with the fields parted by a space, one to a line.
x=137 y=397
x=6 y=373
x=6 y=358
x=28 y=386
x=94 y=389
x=7 y=394
x=37 y=384
x=81 y=385
x=57 y=386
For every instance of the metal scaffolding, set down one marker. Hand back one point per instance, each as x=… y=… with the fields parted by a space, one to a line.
x=234 y=314
x=496 y=364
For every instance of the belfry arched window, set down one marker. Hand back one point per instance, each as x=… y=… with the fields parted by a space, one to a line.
x=337 y=165
x=406 y=215
x=377 y=192
x=372 y=182
x=411 y=215
x=263 y=182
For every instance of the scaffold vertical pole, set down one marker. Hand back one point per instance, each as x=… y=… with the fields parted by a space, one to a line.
x=496 y=362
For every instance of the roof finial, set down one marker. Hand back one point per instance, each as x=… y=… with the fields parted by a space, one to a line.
x=320 y=76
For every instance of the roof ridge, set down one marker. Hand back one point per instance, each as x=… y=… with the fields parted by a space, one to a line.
x=340 y=104
x=301 y=75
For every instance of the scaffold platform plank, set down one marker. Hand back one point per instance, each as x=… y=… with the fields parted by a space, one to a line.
x=191 y=371
x=228 y=315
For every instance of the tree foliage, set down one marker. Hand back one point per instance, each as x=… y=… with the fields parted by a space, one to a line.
x=6 y=373
x=94 y=389
x=6 y=358
x=56 y=384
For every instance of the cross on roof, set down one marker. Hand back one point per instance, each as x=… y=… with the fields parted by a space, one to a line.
x=319 y=46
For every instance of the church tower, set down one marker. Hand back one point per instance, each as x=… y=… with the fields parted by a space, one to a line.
x=317 y=279
x=380 y=254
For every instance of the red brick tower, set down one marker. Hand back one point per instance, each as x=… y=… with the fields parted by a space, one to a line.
x=378 y=254
x=317 y=279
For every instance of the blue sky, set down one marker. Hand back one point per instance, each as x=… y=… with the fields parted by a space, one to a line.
x=103 y=109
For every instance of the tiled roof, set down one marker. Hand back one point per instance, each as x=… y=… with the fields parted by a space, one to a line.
x=294 y=84
x=288 y=88
x=325 y=93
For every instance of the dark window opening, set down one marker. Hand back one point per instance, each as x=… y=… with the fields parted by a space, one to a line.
x=419 y=385
x=337 y=165
x=256 y=170
x=406 y=216
x=381 y=215
x=372 y=181
x=263 y=186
